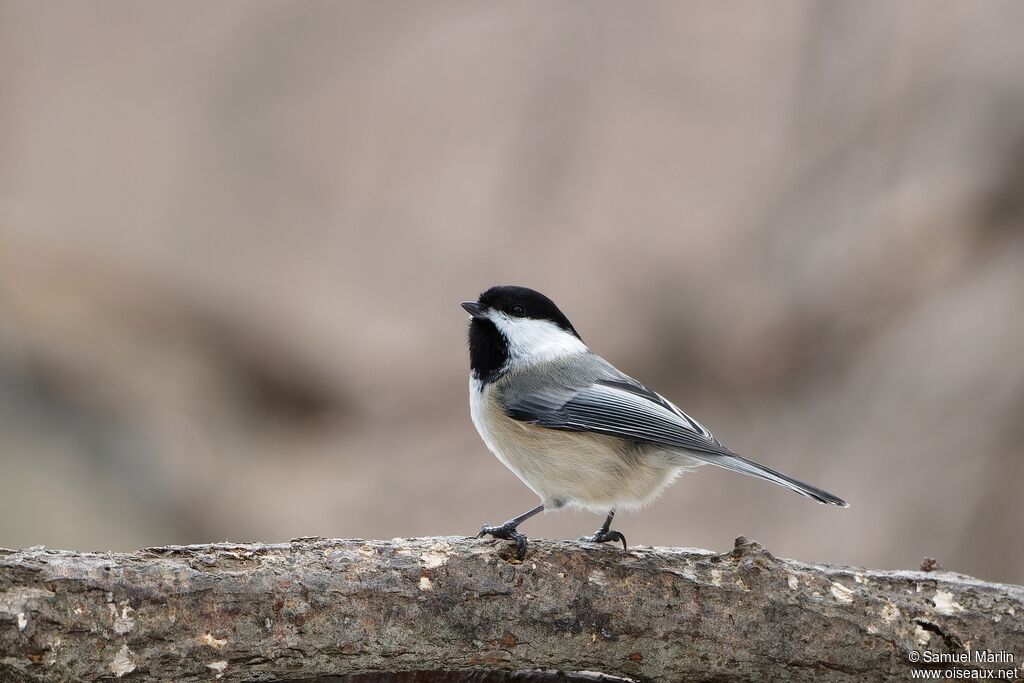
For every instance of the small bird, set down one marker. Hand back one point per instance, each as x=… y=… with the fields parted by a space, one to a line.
x=572 y=427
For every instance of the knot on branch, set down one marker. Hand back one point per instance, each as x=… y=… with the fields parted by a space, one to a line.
x=743 y=547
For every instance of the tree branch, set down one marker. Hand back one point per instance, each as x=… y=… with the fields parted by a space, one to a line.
x=317 y=607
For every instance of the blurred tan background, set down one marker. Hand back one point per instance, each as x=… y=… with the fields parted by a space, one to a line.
x=234 y=236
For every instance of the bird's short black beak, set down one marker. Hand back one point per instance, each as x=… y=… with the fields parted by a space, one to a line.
x=473 y=308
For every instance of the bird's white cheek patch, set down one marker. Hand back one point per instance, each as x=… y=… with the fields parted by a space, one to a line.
x=529 y=338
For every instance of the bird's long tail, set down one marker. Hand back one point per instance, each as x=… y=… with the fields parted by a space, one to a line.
x=740 y=464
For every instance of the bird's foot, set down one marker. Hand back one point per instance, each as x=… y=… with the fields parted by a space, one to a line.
x=605 y=536
x=508 y=532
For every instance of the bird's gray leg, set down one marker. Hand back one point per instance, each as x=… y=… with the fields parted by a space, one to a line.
x=509 y=531
x=605 y=533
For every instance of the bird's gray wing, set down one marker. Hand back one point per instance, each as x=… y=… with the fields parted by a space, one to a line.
x=620 y=406
x=616 y=407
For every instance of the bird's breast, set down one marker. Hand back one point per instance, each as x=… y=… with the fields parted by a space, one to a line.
x=588 y=470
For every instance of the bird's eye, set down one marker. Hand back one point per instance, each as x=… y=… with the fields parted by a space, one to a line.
x=518 y=311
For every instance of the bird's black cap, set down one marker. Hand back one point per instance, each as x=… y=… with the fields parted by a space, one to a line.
x=523 y=302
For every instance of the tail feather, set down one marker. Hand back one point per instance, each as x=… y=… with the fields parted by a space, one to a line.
x=739 y=464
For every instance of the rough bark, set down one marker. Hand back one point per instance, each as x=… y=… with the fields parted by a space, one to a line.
x=317 y=607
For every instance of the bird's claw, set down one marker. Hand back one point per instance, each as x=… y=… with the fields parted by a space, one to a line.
x=602 y=536
x=508 y=532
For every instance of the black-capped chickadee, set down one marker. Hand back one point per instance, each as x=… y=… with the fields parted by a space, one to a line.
x=573 y=428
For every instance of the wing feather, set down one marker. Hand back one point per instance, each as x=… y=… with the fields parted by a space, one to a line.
x=624 y=408
x=616 y=408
